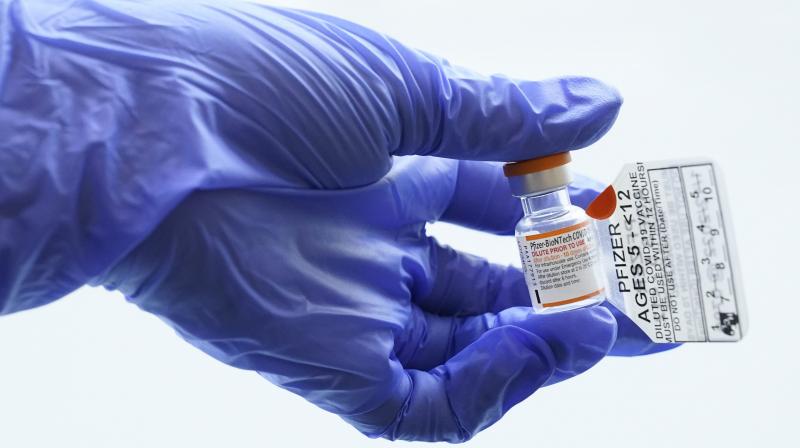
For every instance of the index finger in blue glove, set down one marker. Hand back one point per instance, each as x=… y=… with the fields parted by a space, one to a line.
x=482 y=199
x=430 y=340
x=631 y=340
x=508 y=358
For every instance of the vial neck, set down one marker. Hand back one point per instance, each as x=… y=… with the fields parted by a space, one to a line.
x=545 y=204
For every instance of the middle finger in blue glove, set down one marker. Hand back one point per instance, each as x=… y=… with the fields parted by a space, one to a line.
x=465 y=284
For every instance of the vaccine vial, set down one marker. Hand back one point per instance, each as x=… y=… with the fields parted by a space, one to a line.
x=558 y=242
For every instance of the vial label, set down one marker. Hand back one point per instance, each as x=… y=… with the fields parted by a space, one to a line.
x=561 y=266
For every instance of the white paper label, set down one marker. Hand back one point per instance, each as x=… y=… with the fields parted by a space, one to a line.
x=670 y=248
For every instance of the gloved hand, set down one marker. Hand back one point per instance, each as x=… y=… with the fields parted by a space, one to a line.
x=236 y=170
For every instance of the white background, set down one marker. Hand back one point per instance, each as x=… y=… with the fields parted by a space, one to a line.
x=700 y=78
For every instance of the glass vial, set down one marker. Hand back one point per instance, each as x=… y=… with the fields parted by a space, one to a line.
x=558 y=242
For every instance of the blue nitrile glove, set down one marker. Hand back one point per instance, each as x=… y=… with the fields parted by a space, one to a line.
x=232 y=168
